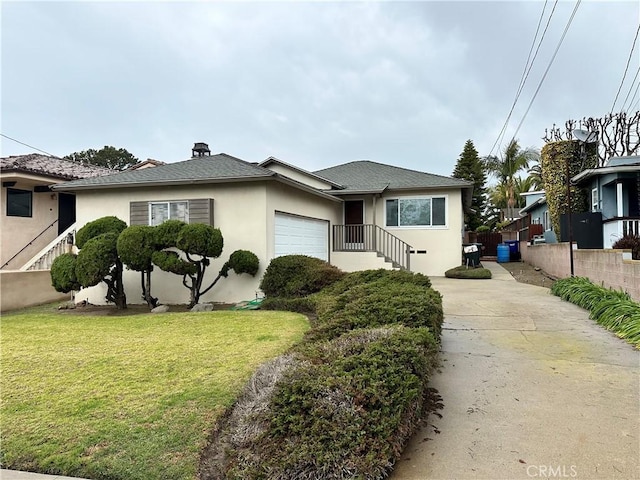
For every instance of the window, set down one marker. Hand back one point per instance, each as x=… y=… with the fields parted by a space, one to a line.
x=19 y=202
x=546 y=221
x=160 y=212
x=416 y=212
x=594 y=200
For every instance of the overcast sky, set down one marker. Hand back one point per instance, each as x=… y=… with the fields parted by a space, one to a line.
x=312 y=83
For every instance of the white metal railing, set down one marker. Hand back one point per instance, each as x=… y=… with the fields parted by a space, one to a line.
x=614 y=229
x=372 y=238
x=45 y=257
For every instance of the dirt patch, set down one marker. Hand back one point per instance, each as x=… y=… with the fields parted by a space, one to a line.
x=525 y=273
x=112 y=311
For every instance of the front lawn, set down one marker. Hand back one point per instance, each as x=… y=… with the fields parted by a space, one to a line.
x=126 y=397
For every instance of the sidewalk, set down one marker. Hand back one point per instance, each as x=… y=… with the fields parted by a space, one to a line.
x=13 y=475
x=531 y=387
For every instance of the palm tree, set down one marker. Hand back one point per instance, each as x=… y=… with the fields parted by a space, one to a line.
x=535 y=174
x=508 y=165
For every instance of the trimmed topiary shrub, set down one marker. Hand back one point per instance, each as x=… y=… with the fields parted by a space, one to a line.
x=136 y=245
x=297 y=276
x=629 y=242
x=63 y=273
x=98 y=227
x=468 y=273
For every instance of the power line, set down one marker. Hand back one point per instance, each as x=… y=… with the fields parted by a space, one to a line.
x=526 y=70
x=566 y=29
x=630 y=90
x=633 y=46
x=26 y=144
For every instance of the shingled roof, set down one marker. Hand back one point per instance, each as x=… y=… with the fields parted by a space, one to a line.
x=49 y=166
x=365 y=176
x=207 y=169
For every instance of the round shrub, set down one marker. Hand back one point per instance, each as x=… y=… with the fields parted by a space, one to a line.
x=166 y=234
x=200 y=239
x=136 y=245
x=63 y=273
x=96 y=258
x=297 y=276
x=353 y=279
x=98 y=227
x=468 y=273
x=171 y=262
x=241 y=261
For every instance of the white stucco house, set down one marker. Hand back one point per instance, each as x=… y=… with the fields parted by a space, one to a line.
x=356 y=215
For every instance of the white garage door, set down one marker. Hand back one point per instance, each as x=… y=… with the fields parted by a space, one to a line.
x=301 y=236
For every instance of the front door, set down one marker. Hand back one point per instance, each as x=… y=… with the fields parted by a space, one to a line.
x=66 y=211
x=354 y=220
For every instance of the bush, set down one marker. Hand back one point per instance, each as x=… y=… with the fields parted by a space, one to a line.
x=468 y=273
x=241 y=261
x=200 y=239
x=136 y=245
x=629 y=242
x=96 y=259
x=297 y=276
x=63 y=273
x=347 y=412
x=99 y=227
x=300 y=305
x=483 y=228
x=378 y=303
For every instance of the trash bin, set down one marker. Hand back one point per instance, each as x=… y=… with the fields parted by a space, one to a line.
x=514 y=250
x=471 y=254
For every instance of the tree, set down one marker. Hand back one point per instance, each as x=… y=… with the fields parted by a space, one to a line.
x=107 y=157
x=136 y=245
x=97 y=261
x=469 y=167
x=617 y=134
x=505 y=168
x=199 y=243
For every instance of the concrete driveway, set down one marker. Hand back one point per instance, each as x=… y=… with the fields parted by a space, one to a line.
x=531 y=389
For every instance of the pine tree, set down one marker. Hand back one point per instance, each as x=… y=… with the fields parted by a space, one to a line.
x=469 y=167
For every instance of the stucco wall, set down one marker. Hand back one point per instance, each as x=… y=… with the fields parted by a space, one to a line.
x=607 y=266
x=356 y=261
x=239 y=212
x=442 y=244
x=24 y=289
x=19 y=231
x=245 y=214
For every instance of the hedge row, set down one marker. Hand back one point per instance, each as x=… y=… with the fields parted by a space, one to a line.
x=343 y=402
x=613 y=309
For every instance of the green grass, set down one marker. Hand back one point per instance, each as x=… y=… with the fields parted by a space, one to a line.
x=126 y=397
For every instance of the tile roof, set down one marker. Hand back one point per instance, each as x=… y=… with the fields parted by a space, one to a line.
x=219 y=167
x=368 y=176
x=50 y=166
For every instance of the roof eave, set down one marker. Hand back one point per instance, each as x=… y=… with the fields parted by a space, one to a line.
x=162 y=183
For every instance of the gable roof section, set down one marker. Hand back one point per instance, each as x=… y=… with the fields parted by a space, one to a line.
x=364 y=176
x=59 y=168
x=276 y=161
x=207 y=169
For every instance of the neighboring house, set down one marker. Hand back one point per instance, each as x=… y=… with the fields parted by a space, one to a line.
x=537 y=221
x=615 y=193
x=358 y=215
x=148 y=163
x=32 y=214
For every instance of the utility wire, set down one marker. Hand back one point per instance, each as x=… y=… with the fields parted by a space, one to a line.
x=25 y=144
x=633 y=46
x=630 y=90
x=526 y=70
x=566 y=29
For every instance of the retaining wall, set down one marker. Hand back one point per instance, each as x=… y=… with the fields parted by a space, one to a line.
x=25 y=289
x=608 y=267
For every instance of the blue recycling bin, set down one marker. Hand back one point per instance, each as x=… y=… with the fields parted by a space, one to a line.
x=514 y=250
